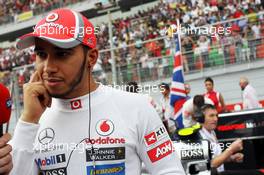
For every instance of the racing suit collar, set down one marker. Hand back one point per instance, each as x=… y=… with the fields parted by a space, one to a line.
x=80 y=103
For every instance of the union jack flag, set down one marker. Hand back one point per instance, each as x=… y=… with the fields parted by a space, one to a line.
x=178 y=95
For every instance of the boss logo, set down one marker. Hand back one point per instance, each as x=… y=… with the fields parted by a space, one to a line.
x=58 y=171
x=192 y=154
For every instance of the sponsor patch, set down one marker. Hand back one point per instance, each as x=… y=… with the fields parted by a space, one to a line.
x=57 y=171
x=105 y=127
x=104 y=154
x=109 y=169
x=160 y=151
x=46 y=136
x=49 y=147
x=155 y=136
x=105 y=141
x=76 y=104
x=51 y=160
x=193 y=154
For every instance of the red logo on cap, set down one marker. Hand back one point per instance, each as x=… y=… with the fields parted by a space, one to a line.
x=52 y=17
x=104 y=127
x=76 y=104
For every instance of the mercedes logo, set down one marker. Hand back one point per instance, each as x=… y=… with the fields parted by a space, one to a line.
x=46 y=136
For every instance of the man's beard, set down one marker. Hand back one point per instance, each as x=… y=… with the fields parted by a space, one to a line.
x=73 y=84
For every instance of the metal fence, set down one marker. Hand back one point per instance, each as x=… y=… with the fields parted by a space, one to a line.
x=156 y=62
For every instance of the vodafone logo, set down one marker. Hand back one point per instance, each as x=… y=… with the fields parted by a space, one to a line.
x=52 y=17
x=106 y=141
x=76 y=104
x=104 y=127
x=160 y=151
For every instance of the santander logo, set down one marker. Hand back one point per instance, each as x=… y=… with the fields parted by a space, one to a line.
x=104 y=127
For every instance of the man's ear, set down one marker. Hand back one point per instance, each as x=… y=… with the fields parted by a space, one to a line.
x=92 y=56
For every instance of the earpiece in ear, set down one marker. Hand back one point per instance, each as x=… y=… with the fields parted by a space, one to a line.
x=89 y=65
x=199 y=116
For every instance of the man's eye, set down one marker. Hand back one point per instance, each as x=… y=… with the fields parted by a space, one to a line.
x=41 y=54
x=62 y=54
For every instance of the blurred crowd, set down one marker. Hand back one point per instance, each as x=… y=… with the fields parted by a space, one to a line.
x=10 y=8
x=142 y=49
x=129 y=33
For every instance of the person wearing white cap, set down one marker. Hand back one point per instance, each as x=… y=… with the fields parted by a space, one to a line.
x=73 y=125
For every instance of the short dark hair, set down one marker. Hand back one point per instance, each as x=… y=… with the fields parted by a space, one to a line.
x=198 y=101
x=209 y=79
x=165 y=86
x=207 y=106
x=85 y=49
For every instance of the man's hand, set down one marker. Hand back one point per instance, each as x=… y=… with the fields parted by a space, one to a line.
x=6 y=164
x=236 y=146
x=238 y=157
x=36 y=99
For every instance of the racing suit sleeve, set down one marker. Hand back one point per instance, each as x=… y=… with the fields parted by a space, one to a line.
x=23 y=145
x=155 y=147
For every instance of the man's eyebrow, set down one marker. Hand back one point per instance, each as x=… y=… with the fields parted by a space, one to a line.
x=58 y=48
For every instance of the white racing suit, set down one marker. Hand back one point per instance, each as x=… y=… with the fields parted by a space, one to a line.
x=125 y=130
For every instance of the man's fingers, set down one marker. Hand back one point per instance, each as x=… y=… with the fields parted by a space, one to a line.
x=4 y=139
x=38 y=89
x=42 y=91
x=35 y=77
x=240 y=157
x=5 y=150
x=5 y=160
x=47 y=99
x=6 y=168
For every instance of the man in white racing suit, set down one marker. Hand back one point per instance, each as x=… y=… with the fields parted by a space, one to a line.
x=72 y=125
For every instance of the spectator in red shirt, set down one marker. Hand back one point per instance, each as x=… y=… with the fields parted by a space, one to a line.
x=238 y=13
x=215 y=96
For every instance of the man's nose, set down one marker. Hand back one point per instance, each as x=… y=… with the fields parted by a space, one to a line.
x=50 y=65
x=215 y=118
